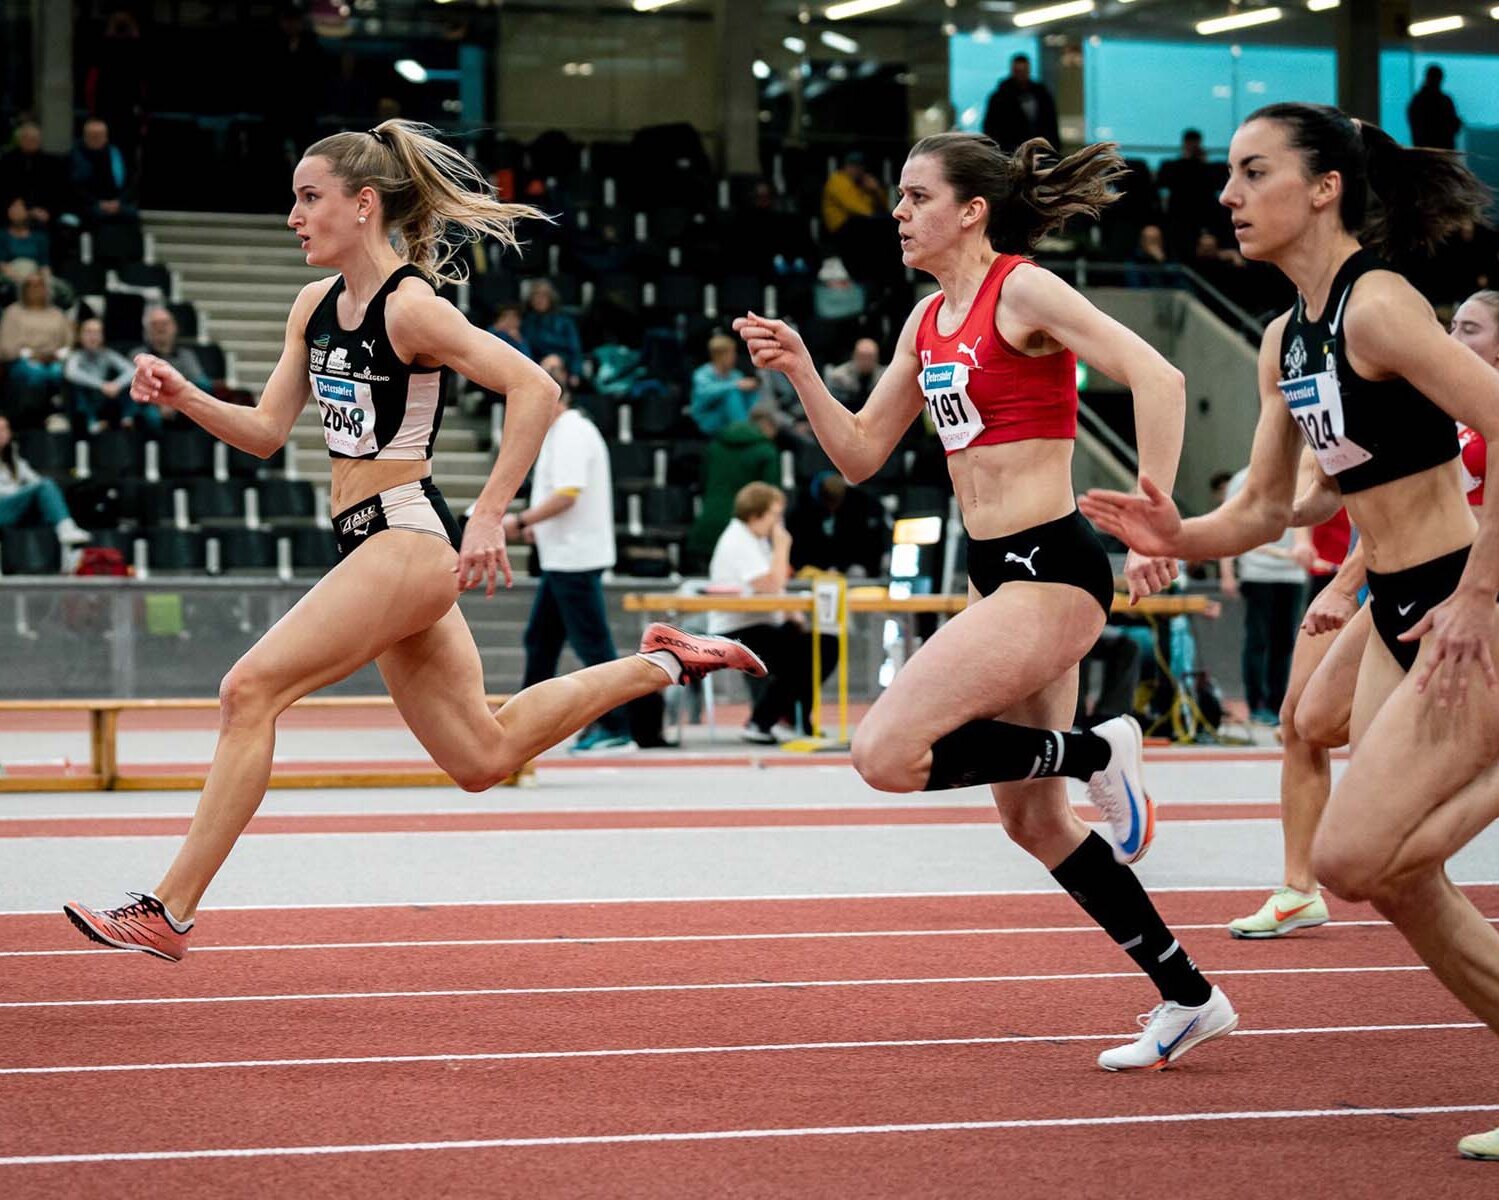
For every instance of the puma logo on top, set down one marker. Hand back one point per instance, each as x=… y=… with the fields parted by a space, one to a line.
x=369 y=347
x=974 y=353
x=1026 y=561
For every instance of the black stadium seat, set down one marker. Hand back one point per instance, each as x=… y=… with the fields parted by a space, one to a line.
x=29 y=550
x=116 y=454
x=169 y=549
x=245 y=549
x=210 y=501
x=48 y=453
x=283 y=499
x=186 y=452
x=312 y=546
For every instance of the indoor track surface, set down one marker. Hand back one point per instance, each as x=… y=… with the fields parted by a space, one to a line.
x=640 y=979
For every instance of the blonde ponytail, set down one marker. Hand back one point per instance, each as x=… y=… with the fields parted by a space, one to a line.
x=433 y=198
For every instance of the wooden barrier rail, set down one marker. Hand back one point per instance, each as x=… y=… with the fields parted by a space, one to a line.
x=104 y=763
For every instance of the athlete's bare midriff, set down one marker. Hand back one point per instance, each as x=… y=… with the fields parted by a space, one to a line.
x=1413 y=520
x=1009 y=486
x=356 y=479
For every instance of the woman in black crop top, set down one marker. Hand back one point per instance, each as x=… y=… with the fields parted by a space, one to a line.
x=370 y=343
x=1364 y=374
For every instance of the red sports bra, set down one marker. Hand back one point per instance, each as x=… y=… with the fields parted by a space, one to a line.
x=1475 y=460
x=980 y=390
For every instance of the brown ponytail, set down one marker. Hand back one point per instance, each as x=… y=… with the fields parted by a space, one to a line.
x=1027 y=199
x=432 y=197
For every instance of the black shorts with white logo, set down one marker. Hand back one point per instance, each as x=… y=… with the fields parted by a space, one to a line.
x=1066 y=550
x=1401 y=598
x=417 y=506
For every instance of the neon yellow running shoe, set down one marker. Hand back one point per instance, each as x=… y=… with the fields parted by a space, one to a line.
x=1286 y=910
x=1480 y=1145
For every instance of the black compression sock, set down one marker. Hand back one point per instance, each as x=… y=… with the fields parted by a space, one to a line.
x=999 y=752
x=1112 y=896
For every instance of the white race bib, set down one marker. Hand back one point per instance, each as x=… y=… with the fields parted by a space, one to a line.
x=348 y=412
x=1316 y=403
x=945 y=386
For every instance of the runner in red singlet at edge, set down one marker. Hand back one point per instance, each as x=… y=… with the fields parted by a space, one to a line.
x=993 y=358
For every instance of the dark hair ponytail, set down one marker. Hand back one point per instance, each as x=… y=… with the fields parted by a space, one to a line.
x=1027 y=198
x=1399 y=201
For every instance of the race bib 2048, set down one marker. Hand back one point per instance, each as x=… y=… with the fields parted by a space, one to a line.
x=347 y=410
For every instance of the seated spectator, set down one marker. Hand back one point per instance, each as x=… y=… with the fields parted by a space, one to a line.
x=549 y=330
x=161 y=340
x=1148 y=257
x=100 y=180
x=768 y=241
x=507 y=327
x=35 y=336
x=852 y=381
x=98 y=383
x=837 y=527
x=24 y=248
x=1120 y=657
x=741 y=453
x=39 y=178
x=857 y=221
x=754 y=553
x=1223 y=269
x=722 y=394
x=25 y=494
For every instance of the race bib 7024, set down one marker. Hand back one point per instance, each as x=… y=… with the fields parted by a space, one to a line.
x=1316 y=404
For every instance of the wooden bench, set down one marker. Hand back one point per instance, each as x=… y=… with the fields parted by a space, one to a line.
x=104 y=765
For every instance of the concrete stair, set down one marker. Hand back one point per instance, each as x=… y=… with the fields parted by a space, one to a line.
x=243 y=273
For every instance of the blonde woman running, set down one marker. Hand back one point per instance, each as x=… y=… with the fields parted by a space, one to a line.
x=372 y=343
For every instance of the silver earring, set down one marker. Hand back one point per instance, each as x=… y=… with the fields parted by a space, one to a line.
x=361 y=220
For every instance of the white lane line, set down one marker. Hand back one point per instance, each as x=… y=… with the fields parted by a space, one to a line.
x=626 y=939
x=583 y=900
x=657 y=1051
x=722 y=1135
x=756 y=985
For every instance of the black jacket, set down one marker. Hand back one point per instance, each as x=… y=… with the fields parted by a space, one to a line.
x=1005 y=120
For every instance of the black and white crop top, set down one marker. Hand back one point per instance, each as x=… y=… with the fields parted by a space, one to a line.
x=372 y=404
x=1364 y=432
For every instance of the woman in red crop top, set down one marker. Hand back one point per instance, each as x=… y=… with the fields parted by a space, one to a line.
x=992 y=358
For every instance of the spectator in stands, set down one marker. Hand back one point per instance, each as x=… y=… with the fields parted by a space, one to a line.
x=549 y=330
x=1121 y=657
x=856 y=217
x=1021 y=108
x=1191 y=184
x=297 y=63
x=35 y=336
x=838 y=528
x=852 y=381
x=743 y=452
x=98 y=383
x=100 y=178
x=769 y=242
x=23 y=493
x=1432 y=115
x=114 y=87
x=1223 y=268
x=24 y=248
x=161 y=340
x=570 y=520
x=754 y=553
x=26 y=170
x=722 y=394
x=1273 y=585
x=507 y=327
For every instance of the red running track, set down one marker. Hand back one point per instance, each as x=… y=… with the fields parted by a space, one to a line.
x=684 y=1054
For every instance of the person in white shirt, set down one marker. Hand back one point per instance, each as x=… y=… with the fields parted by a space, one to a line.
x=754 y=553
x=570 y=520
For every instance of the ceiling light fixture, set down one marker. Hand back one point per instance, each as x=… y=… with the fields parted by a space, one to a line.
x=1435 y=25
x=1053 y=12
x=1243 y=20
x=856 y=8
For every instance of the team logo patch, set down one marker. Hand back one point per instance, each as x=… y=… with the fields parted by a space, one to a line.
x=356 y=524
x=321 y=341
x=338 y=360
x=1295 y=360
x=315 y=359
